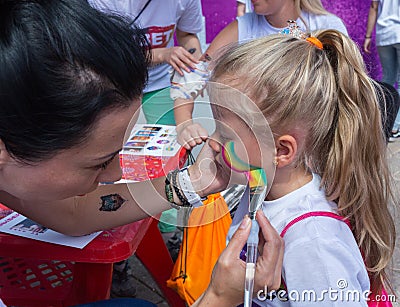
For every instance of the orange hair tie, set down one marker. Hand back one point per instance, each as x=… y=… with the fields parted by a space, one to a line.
x=315 y=41
x=294 y=30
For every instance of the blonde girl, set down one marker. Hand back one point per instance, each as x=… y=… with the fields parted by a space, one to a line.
x=330 y=156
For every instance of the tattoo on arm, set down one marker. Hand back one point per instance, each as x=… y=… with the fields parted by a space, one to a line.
x=111 y=202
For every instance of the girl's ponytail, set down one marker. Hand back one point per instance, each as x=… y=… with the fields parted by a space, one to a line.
x=355 y=174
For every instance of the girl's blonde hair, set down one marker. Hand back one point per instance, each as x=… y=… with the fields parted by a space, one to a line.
x=328 y=95
x=310 y=6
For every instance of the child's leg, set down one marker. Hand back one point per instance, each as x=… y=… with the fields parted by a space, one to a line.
x=389 y=58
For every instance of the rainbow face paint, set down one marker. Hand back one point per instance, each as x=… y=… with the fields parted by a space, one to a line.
x=256 y=178
x=233 y=161
x=255 y=175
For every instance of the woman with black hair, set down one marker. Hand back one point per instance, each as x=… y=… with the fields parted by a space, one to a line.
x=71 y=80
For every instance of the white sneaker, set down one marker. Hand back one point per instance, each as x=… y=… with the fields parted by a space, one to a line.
x=394 y=136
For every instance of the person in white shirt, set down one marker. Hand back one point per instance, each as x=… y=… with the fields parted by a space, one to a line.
x=161 y=20
x=268 y=17
x=385 y=15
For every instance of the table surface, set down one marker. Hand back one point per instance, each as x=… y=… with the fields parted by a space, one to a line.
x=109 y=246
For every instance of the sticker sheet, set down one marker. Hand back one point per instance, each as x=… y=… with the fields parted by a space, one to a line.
x=19 y=225
x=152 y=140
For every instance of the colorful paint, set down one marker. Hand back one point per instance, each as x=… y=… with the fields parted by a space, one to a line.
x=255 y=175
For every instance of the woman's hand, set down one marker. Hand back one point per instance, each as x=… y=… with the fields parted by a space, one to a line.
x=367 y=45
x=207 y=175
x=227 y=283
x=270 y=260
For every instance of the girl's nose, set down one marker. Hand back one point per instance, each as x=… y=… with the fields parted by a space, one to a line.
x=214 y=143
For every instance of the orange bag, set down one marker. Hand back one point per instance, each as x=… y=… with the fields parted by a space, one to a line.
x=200 y=249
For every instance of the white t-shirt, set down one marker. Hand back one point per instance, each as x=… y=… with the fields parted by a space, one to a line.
x=388 y=22
x=320 y=252
x=249 y=6
x=160 y=18
x=251 y=25
x=2 y=304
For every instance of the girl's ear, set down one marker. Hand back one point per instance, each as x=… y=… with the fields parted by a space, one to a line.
x=5 y=157
x=286 y=150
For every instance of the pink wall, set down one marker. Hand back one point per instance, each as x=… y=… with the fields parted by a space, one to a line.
x=354 y=13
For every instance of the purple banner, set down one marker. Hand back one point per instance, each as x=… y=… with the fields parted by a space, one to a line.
x=354 y=14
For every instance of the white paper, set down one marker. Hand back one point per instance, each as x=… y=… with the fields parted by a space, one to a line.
x=152 y=140
x=19 y=225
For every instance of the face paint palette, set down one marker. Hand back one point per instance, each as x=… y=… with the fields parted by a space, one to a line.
x=152 y=140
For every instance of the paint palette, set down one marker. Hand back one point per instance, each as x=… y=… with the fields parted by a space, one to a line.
x=152 y=140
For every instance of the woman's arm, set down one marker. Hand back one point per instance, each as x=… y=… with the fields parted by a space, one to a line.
x=189 y=41
x=189 y=133
x=372 y=17
x=94 y=211
x=228 y=35
x=85 y=214
x=179 y=57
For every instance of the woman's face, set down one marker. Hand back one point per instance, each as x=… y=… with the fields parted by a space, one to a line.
x=268 y=7
x=77 y=170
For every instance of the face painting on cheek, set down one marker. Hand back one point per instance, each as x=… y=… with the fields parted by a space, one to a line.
x=232 y=159
x=255 y=174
